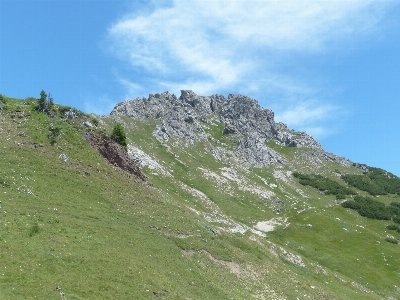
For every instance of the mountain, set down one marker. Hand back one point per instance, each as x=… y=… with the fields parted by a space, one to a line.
x=212 y=200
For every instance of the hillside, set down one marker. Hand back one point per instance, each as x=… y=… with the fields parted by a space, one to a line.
x=227 y=204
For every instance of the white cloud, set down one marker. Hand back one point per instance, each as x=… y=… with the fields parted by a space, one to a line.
x=235 y=45
x=99 y=105
x=311 y=117
x=307 y=113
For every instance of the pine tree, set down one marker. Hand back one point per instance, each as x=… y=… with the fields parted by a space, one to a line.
x=42 y=101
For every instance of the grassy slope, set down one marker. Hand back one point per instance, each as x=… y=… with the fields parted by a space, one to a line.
x=103 y=234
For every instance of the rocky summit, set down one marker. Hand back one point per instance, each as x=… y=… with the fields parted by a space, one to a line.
x=185 y=118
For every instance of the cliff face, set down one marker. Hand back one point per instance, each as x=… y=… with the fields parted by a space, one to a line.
x=188 y=117
x=238 y=113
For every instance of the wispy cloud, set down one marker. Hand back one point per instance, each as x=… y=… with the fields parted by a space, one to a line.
x=239 y=46
x=312 y=117
x=99 y=105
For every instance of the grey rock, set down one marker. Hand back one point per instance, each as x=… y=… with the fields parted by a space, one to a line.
x=87 y=124
x=70 y=114
x=290 y=138
x=256 y=153
x=185 y=117
x=63 y=157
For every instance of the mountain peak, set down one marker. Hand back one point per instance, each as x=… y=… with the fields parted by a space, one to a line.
x=191 y=118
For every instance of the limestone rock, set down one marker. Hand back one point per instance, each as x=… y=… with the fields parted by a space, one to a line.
x=186 y=117
x=256 y=153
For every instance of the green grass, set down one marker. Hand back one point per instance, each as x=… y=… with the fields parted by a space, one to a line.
x=285 y=150
x=101 y=233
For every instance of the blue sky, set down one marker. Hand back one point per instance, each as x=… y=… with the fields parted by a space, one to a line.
x=330 y=68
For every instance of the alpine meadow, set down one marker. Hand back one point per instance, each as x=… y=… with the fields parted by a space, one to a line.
x=187 y=197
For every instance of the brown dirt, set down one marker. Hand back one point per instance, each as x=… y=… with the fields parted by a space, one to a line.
x=113 y=152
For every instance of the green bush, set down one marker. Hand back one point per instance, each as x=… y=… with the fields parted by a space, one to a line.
x=340 y=197
x=375 y=182
x=392 y=227
x=370 y=208
x=394 y=203
x=54 y=133
x=396 y=219
x=390 y=240
x=33 y=230
x=351 y=204
x=326 y=185
x=42 y=101
x=119 y=136
x=94 y=121
x=45 y=102
x=63 y=109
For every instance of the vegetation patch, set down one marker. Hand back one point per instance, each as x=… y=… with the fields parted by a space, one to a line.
x=376 y=182
x=33 y=230
x=284 y=150
x=326 y=185
x=371 y=208
x=119 y=136
x=391 y=240
x=392 y=227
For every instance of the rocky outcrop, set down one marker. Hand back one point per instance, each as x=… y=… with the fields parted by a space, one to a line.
x=113 y=152
x=180 y=117
x=257 y=153
x=187 y=117
x=290 y=138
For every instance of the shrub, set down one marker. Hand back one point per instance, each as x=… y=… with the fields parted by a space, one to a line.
x=326 y=185
x=54 y=133
x=45 y=102
x=33 y=230
x=394 y=203
x=119 y=136
x=42 y=101
x=392 y=227
x=396 y=219
x=351 y=204
x=370 y=208
x=375 y=182
x=391 y=240
x=95 y=122
x=340 y=197
x=63 y=109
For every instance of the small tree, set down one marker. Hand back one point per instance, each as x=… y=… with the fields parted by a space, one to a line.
x=50 y=101
x=42 y=101
x=45 y=102
x=119 y=136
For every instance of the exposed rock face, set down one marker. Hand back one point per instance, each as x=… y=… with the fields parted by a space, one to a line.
x=187 y=116
x=257 y=153
x=143 y=160
x=290 y=138
x=113 y=152
x=181 y=116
